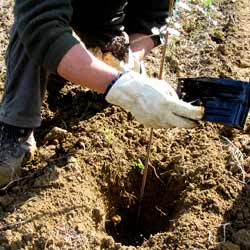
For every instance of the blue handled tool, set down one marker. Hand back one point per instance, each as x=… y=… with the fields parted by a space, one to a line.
x=226 y=101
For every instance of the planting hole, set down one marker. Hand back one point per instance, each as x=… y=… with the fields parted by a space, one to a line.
x=160 y=206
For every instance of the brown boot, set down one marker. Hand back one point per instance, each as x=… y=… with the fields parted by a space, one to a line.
x=15 y=144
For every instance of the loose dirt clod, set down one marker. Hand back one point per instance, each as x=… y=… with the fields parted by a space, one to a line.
x=118 y=46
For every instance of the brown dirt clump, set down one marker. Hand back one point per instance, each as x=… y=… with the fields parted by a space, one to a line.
x=82 y=189
x=118 y=46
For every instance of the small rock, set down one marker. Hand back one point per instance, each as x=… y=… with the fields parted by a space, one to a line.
x=221 y=48
x=59 y=244
x=8 y=233
x=98 y=215
x=107 y=242
x=117 y=246
x=71 y=214
x=131 y=248
x=52 y=176
x=27 y=237
x=56 y=134
x=210 y=183
x=244 y=64
x=130 y=133
x=143 y=140
x=80 y=227
x=73 y=165
x=72 y=159
x=113 y=110
x=70 y=178
x=116 y=219
x=79 y=178
x=191 y=186
x=80 y=144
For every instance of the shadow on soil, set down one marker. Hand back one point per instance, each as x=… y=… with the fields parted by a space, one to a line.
x=234 y=232
x=161 y=204
x=69 y=106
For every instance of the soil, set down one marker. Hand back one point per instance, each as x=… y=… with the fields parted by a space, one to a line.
x=81 y=191
x=118 y=46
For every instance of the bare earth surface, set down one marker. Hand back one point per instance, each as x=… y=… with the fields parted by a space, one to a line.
x=81 y=191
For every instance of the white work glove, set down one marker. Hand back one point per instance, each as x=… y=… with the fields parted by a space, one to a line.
x=152 y=102
x=133 y=64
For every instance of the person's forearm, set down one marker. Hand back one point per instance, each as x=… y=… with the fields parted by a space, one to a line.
x=140 y=45
x=79 y=66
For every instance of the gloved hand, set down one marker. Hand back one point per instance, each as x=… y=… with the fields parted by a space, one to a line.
x=152 y=102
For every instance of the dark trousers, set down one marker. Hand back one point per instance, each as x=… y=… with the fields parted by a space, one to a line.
x=24 y=87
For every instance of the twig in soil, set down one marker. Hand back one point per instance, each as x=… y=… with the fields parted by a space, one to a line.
x=157 y=176
x=13 y=181
x=144 y=178
x=241 y=182
x=145 y=172
x=162 y=213
x=224 y=230
x=247 y=182
x=165 y=172
x=12 y=225
x=238 y=156
x=169 y=180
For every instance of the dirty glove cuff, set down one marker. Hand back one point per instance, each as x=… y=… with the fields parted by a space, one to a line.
x=113 y=82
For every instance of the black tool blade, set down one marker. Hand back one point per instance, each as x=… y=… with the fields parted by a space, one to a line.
x=226 y=101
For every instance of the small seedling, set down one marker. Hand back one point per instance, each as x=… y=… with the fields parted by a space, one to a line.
x=64 y=124
x=108 y=134
x=138 y=165
x=207 y=3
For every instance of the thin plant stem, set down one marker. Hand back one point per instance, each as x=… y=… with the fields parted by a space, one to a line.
x=160 y=76
x=144 y=178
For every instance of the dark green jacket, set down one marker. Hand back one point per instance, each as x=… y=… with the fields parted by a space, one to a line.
x=44 y=26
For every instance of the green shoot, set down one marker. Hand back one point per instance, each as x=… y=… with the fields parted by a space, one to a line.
x=207 y=3
x=64 y=124
x=138 y=165
x=108 y=134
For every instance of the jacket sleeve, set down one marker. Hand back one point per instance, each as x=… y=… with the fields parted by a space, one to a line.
x=43 y=27
x=143 y=15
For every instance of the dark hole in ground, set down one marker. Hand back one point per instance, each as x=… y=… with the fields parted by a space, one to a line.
x=160 y=206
